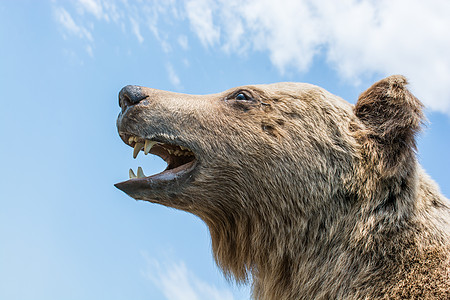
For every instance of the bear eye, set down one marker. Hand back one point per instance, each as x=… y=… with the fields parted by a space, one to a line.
x=241 y=96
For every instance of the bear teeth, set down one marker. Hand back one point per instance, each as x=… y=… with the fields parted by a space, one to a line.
x=139 y=144
x=140 y=173
x=137 y=147
x=147 y=145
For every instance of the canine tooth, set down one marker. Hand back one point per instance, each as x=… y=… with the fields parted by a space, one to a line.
x=140 y=173
x=137 y=148
x=148 y=146
x=130 y=139
x=131 y=173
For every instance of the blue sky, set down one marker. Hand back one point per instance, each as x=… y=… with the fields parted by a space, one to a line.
x=65 y=231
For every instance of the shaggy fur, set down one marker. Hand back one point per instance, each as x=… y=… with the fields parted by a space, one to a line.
x=313 y=197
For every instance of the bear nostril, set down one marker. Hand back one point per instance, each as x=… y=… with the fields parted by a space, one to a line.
x=131 y=95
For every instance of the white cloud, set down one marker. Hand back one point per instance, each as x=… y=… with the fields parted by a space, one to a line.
x=153 y=14
x=288 y=30
x=176 y=282
x=66 y=20
x=136 y=30
x=173 y=77
x=387 y=37
x=200 y=15
x=94 y=7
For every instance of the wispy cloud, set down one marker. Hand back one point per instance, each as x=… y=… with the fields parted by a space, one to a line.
x=136 y=30
x=65 y=19
x=173 y=77
x=176 y=282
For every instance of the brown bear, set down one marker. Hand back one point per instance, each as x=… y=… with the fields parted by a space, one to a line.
x=309 y=196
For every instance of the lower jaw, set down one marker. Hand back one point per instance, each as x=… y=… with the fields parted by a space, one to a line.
x=166 y=183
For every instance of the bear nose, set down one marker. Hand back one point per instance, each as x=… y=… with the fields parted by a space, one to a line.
x=131 y=95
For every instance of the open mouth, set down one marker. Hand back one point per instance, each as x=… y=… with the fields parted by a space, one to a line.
x=181 y=162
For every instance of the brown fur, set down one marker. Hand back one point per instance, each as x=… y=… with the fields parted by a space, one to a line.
x=312 y=197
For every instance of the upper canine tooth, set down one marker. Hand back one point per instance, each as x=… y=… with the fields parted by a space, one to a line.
x=130 y=139
x=137 y=148
x=148 y=146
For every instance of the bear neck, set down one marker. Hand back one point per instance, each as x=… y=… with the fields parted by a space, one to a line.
x=293 y=256
x=279 y=253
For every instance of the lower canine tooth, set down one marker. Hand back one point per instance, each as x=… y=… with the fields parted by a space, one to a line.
x=131 y=173
x=140 y=173
x=137 y=148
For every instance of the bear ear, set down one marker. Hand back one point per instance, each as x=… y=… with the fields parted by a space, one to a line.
x=392 y=117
